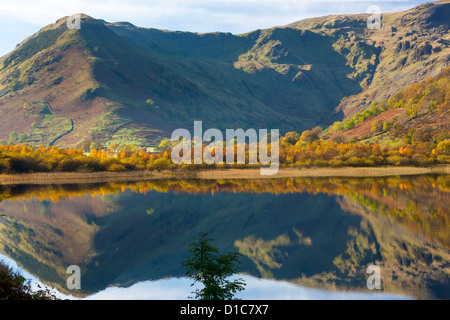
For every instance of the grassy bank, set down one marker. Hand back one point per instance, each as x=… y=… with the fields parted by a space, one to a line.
x=251 y=173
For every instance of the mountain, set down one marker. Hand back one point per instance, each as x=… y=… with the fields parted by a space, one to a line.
x=119 y=83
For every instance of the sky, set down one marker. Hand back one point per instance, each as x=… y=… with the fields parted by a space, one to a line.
x=21 y=18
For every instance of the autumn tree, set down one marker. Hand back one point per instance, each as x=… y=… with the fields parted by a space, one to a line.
x=376 y=126
x=311 y=135
x=13 y=136
x=291 y=137
x=150 y=102
x=22 y=137
x=94 y=145
x=85 y=146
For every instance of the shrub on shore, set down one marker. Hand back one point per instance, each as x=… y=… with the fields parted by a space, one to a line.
x=14 y=286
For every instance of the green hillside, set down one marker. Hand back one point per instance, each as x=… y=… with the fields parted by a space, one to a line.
x=320 y=233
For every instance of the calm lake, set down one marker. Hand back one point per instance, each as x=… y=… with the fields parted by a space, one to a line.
x=300 y=238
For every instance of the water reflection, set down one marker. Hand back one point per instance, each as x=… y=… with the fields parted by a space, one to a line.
x=318 y=233
x=256 y=289
x=180 y=289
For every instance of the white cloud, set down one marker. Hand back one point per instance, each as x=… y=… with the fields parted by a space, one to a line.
x=205 y=13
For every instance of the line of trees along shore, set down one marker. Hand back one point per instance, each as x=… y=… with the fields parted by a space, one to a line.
x=294 y=152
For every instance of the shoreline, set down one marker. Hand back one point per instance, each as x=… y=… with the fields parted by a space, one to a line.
x=216 y=174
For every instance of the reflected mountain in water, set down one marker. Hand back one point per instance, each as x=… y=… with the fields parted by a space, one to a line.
x=321 y=233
